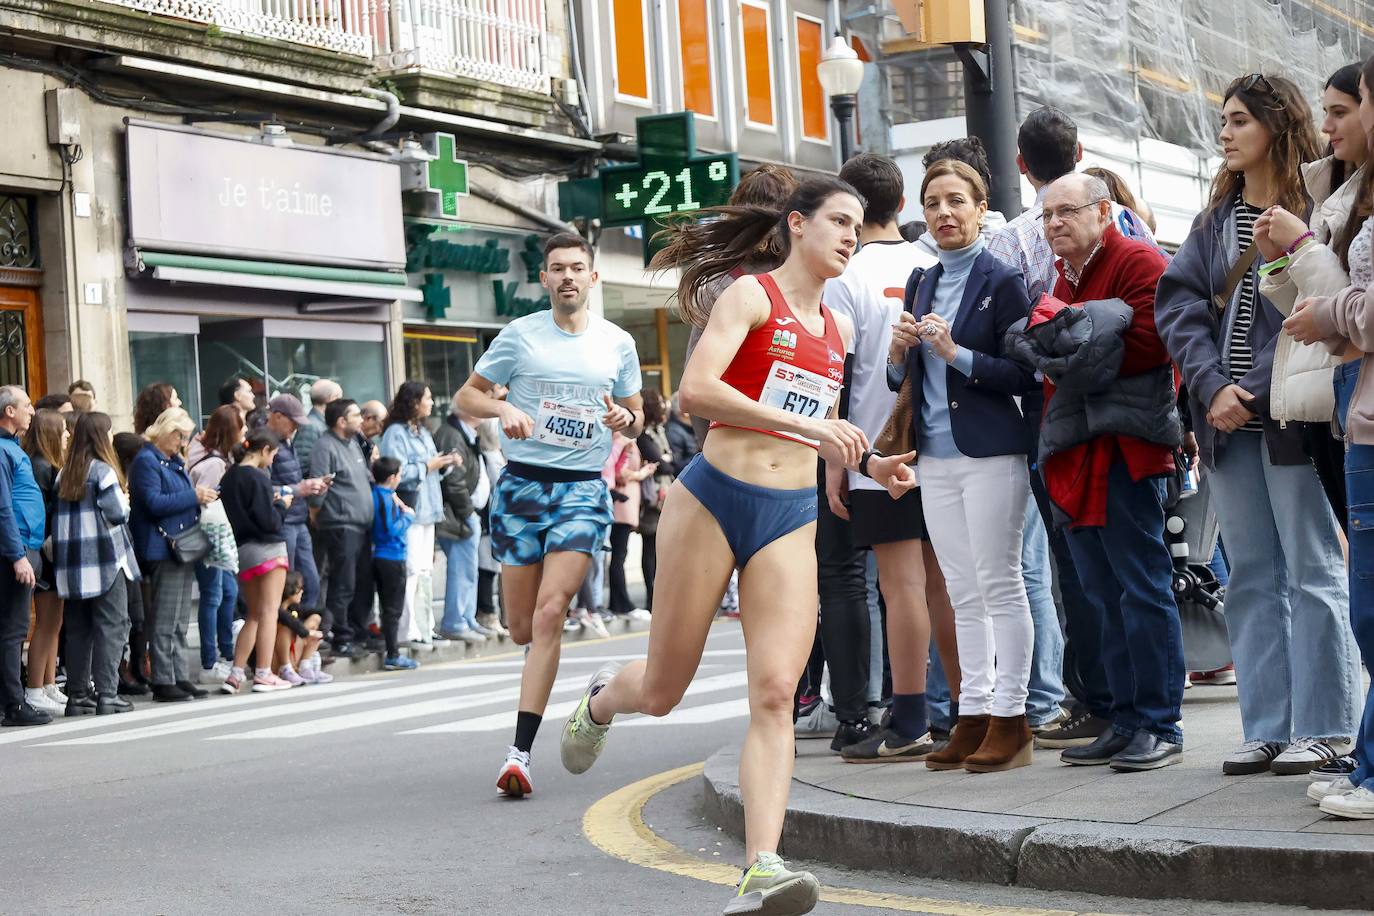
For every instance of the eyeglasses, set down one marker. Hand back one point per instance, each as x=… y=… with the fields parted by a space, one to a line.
x=1067 y=213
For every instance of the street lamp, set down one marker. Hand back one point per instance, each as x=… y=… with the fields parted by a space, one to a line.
x=841 y=73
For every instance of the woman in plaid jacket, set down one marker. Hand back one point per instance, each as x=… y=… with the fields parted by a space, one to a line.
x=93 y=555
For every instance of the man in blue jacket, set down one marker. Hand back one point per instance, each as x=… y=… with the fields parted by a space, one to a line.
x=21 y=535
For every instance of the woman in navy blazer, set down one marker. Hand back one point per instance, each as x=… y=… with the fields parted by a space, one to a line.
x=165 y=503
x=974 y=484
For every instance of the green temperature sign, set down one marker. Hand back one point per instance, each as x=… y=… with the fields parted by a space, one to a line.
x=670 y=176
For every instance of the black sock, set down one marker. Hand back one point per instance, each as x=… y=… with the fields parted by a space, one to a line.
x=526 y=727
x=909 y=715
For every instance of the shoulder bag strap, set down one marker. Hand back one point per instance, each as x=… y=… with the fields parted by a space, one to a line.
x=1235 y=276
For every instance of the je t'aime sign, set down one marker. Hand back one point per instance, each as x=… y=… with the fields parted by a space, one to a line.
x=201 y=193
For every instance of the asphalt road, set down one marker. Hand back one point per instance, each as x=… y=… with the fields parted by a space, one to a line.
x=376 y=796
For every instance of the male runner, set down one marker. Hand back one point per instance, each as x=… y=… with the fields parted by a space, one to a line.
x=573 y=379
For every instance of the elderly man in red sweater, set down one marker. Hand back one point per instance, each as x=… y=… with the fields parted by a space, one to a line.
x=1105 y=450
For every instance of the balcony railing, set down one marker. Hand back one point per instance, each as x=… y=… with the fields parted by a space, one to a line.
x=501 y=41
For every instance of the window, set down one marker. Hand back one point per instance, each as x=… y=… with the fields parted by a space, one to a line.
x=694 y=31
x=815 y=125
x=757 y=42
x=156 y=356
x=631 y=40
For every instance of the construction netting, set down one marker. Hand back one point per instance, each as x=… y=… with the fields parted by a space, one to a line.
x=1157 y=68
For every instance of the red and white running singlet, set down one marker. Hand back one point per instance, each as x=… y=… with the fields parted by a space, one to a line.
x=783 y=365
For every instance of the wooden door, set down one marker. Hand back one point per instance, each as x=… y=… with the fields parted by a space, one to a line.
x=21 y=341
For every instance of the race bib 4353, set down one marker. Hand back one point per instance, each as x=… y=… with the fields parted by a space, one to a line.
x=565 y=425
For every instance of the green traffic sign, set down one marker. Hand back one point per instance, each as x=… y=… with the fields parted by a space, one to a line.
x=669 y=178
x=447 y=174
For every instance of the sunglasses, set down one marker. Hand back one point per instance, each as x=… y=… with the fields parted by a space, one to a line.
x=1258 y=84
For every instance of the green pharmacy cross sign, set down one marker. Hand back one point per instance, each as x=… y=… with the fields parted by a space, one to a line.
x=442 y=179
x=670 y=177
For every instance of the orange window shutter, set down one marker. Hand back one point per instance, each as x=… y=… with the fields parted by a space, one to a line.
x=694 y=27
x=631 y=56
x=809 y=38
x=758 y=65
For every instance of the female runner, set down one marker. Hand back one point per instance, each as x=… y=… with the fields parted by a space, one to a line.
x=767 y=372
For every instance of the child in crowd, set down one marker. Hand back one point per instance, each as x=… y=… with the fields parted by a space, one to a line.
x=298 y=636
x=391 y=519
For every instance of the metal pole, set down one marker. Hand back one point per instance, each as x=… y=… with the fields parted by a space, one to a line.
x=990 y=103
x=843 y=108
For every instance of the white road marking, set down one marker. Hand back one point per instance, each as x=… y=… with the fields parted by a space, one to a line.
x=694 y=715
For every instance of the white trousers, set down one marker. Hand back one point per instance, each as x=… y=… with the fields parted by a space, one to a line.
x=975 y=509
x=417 y=620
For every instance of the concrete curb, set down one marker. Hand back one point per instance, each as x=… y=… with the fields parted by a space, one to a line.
x=1053 y=854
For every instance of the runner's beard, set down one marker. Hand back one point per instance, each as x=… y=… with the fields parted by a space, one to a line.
x=569 y=306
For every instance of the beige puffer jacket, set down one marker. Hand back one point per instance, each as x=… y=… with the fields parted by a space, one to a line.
x=1302 y=386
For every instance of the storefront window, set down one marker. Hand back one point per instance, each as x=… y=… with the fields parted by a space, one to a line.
x=359 y=366
x=443 y=359
x=166 y=357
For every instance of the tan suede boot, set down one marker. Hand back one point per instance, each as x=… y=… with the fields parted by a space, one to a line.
x=1006 y=746
x=968 y=736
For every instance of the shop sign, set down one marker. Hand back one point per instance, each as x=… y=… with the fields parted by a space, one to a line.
x=460 y=289
x=441 y=179
x=203 y=193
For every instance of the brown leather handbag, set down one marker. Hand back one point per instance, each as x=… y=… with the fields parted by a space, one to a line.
x=899 y=435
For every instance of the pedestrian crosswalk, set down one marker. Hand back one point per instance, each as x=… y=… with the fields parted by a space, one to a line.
x=466 y=699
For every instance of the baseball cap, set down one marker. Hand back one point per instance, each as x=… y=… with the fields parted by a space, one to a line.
x=289 y=407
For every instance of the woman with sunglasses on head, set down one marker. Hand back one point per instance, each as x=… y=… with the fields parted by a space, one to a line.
x=1296 y=665
x=767 y=373
x=1338 y=185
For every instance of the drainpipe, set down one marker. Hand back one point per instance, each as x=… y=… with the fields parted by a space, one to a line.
x=389 y=120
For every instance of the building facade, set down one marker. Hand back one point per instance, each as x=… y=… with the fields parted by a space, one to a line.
x=190 y=190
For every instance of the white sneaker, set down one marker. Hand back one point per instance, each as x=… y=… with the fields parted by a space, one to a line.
x=1339 y=786
x=1303 y=755
x=639 y=615
x=1357 y=805
x=514 y=781
x=593 y=623
x=56 y=695
x=38 y=699
x=1251 y=757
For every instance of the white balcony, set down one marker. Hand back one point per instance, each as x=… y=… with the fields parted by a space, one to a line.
x=498 y=41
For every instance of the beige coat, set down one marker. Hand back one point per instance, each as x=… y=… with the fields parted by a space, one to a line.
x=1302 y=385
x=1345 y=319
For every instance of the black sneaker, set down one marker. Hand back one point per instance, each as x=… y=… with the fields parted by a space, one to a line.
x=22 y=714
x=1099 y=752
x=1334 y=769
x=170 y=693
x=886 y=746
x=197 y=693
x=851 y=733
x=1081 y=730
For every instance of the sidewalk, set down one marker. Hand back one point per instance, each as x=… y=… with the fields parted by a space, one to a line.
x=1184 y=831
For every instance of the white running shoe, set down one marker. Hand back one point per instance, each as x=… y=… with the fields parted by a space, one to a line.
x=1305 y=754
x=768 y=887
x=514 y=781
x=593 y=623
x=1357 y=805
x=38 y=698
x=583 y=738
x=56 y=695
x=1339 y=786
x=640 y=615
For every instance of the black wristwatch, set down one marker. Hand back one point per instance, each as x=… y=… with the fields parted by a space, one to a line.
x=863 y=462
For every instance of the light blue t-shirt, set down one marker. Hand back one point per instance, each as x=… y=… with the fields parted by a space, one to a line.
x=559 y=379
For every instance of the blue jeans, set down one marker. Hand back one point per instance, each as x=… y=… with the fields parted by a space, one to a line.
x=1359 y=489
x=939 y=703
x=1297 y=667
x=300 y=553
x=219 y=592
x=460 y=582
x=1046 y=686
x=1127 y=573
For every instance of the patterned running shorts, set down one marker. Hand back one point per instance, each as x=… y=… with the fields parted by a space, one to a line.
x=531 y=518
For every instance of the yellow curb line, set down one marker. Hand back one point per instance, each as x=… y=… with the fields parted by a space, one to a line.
x=615 y=825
